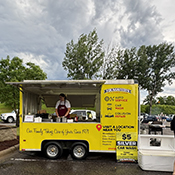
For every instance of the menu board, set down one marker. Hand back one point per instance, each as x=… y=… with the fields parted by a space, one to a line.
x=28 y=118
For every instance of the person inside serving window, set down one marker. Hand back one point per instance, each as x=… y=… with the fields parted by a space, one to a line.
x=63 y=106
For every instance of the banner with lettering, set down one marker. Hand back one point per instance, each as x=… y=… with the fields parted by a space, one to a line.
x=126 y=147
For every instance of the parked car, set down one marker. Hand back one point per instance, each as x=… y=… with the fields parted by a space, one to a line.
x=142 y=116
x=83 y=113
x=170 y=118
x=8 y=117
x=157 y=117
x=164 y=117
x=149 y=118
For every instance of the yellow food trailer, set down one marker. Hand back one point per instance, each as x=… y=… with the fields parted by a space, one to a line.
x=115 y=129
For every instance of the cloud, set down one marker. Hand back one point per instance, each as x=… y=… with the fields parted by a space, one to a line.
x=168 y=90
x=143 y=24
x=168 y=22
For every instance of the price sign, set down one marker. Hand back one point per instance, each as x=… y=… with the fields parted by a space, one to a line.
x=126 y=147
x=126 y=136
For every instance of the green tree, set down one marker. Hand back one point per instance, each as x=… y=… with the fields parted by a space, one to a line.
x=144 y=108
x=146 y=101
x=13 y=70
x=84 y=59
x=170 y=100
x=161 y=100
x=165 y=109
x=110 y=66
x=152 y=77
x=121 y=64
x=127 y=65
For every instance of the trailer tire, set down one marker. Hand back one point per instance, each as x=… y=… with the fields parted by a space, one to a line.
x=53 y=150
x=79 y=150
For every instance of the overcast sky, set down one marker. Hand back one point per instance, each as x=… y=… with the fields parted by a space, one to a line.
x=38 y=30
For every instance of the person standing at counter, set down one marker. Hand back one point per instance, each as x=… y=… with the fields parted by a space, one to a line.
x=63 y=106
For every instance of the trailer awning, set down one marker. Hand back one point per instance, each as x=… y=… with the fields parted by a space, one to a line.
x=81 y=93
x=54 y=87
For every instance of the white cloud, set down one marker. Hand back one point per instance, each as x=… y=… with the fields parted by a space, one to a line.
x=166 y=8
x=168 y=90
x=37 y=59
x=142 y=24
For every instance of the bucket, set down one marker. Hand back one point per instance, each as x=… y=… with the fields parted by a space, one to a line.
x=64 y=119
x=58 y=119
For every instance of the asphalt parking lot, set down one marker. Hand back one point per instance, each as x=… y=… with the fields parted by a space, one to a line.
x=28 y=163
x=7 y=124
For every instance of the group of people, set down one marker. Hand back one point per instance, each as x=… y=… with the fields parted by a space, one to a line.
x=63 y=107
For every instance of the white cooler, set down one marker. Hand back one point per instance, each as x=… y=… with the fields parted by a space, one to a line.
x=156 y=158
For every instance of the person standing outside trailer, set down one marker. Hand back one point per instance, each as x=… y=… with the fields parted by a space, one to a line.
x=173 y=125
x=63 y=106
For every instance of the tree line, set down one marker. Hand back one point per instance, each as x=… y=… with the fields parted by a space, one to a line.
x=165 y=105
x=165 y=100
x=158 y=109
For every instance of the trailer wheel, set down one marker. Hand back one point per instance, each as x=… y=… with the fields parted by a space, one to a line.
x=53 y=150
x=79 y=151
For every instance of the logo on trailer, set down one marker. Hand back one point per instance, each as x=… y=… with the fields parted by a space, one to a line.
x=109 y=98
x=98 y=127
x=117 y=90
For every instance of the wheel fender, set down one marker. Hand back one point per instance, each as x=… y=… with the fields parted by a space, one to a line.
x=79 y=143
x=52 y=142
